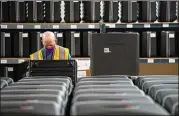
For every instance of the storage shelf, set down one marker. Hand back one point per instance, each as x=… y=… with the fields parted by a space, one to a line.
x=87 y=60
x=50 y=26
x=142 y=25
x=87 y=25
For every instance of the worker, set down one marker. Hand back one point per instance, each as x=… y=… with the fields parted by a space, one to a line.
x=50 y=51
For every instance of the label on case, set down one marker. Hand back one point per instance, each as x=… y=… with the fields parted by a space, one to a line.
x=59 y=35
x=25 y=35
x=10 y=69
x=7 y=35
x=171 y=35
x=76 y=35
x=153 y=35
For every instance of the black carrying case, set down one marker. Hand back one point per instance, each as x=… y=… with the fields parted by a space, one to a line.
x=129 y=11
x=167 y=11
x=167 y=44
x=149 y=44
x=111 y=11
x=72 y=11
x=54 y=68
x=147 y=11
x=91 y=11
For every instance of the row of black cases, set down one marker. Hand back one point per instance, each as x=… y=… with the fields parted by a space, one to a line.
x=19 y=44
x=50 y=11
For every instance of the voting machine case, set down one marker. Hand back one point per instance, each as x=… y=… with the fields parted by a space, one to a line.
x=147 y=11
x=86 y=40
x=91 y=11
x=5 y=12
x=149 y=44
x=167 y=44
x=35 y=41
x=21 y=44
x=72 y=11
x=60 y=38
x=31 y=15
x=72 y=41
x=22 y=11
x=6 y=44
x=57 y=11
x=129 y=11
x=54 y=68
x=111 y=11
x=167 y=11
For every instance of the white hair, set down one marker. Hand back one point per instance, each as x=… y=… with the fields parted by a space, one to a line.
x=48 y=34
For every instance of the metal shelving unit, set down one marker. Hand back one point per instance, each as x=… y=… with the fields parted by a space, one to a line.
x=89 y=26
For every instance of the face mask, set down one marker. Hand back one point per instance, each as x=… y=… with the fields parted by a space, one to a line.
x=51 y=49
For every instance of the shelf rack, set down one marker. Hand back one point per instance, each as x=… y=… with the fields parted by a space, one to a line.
x=89 y=26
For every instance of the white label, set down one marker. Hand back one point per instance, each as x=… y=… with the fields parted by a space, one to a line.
x=165 y=25
x=150 y=60
x=37 y=26
x=73 y=26
x=59 y=35
x=91 y=26
x=146 y=25
x=171 y=35
x=3 y=61
x=7 y=35
x=106 y=50
x=75 y=1
x=153 y=35
x=20 y=26
x=4 y=26
x=55 y=26
x=25 y=35
x=10 y=69
x=20 y=61
x=171 y=60
x=76 y=35
x=129 y=25
x=81 y=73
x=40 y=34
x=112 y=25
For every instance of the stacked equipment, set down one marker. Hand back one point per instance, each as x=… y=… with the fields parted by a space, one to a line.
x=163 y=89
x=111 y=95
x=40 y=95
x=5 y=81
